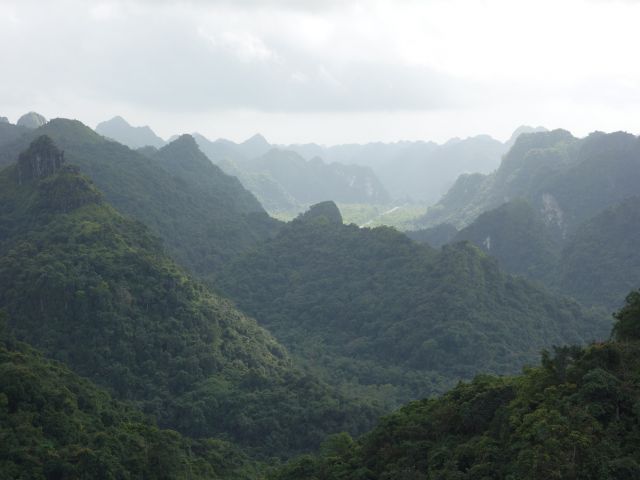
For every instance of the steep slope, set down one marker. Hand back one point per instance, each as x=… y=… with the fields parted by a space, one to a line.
x=119 y=130
x=596 y=264
x=54 y=424
x=374 y=310
x=517 y=237
x=203 y=223
x=575 y=416
x=601 y=260
x=568 y=180
x=95 y=290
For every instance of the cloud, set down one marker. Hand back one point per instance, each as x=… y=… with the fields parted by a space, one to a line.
x=193 y=59
x=388 y=59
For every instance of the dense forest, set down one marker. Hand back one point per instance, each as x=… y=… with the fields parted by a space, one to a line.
x=319 y=240
x=559 y=210
x=574 y=416
x=369 y=308
x=55 y=424
x=95 y=290
x=273 y=350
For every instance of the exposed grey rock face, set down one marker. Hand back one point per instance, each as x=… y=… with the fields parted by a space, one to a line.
x=4 y=120
x=31 y=120
x=41 y=159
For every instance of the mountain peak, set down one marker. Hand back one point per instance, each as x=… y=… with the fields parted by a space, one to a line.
x=524 y=129
x=31 y=120
x=117 y=120
x=257 y=139
x=254 y=146
x=327 y=210
x=183 y=144
x=134 y=137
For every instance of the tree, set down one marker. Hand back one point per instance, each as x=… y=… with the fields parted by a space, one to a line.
x=627 y=327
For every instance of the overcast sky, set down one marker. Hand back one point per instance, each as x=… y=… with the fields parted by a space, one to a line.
x=325 y=71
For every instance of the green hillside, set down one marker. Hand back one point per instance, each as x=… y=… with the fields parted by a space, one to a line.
x=95 y=290
x=516 y=235
x=374 y=311
x=56 y=425
x=203 y=216
x=601 y=260
x=566 y=179
x=574 y=416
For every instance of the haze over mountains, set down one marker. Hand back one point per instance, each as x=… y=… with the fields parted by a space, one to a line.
x=373 y=174
x=158 y=275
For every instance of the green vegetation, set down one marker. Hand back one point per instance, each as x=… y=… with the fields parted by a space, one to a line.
x=559 y=209
x=568 y=180
x=575 y=416
x=601 y=260
x=203 y=216
x=56 y=425
x=434 y=236
x=514 y=234
x=383 y=316
x=94 y=290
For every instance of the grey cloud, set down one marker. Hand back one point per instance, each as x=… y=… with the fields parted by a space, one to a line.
x=166 y=64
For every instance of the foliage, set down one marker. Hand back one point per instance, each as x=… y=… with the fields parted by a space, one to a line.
x=627 y=327
x=203 y=216
x=575 y=416
x=94 y=290
x=517 y=237
x=378 y=314
x=568 y=180
x=56 y=425
x=434 y=236
x=601 y=261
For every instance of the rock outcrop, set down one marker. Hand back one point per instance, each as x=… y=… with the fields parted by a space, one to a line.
x=40 y=160
x=31 y=120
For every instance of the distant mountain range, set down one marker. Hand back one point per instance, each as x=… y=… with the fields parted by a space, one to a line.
x=373 y=173
x=134 y=137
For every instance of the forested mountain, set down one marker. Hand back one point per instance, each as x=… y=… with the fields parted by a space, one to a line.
x=372 y=310
x=204 y=216
x=575 y=416
x=517 y=236
x=436 y=236
x=601 y=260
x=54 y=424
x=559 y=209
x=119 y=130
x=95 y=290
x=568 y=180
x=283 y=181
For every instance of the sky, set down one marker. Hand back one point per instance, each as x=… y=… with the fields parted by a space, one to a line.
x=332 y=71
